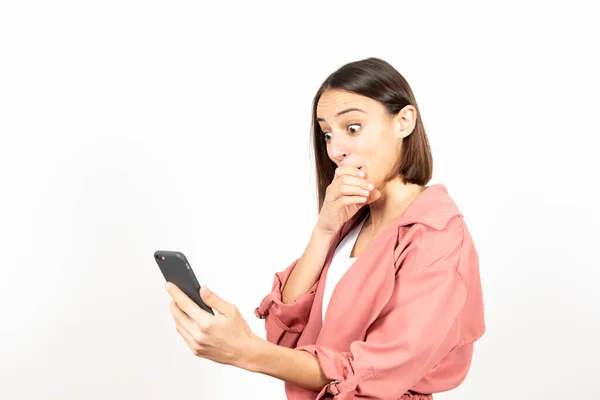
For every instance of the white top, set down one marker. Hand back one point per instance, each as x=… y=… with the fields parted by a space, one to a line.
x=339 y=264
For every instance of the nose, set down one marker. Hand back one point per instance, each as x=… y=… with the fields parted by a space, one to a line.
x=339 y=149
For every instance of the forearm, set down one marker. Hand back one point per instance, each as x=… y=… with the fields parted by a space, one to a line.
x=294 y=366
x=308 y=269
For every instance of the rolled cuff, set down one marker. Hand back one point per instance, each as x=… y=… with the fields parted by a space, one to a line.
x=285 y=322
x=338 y=368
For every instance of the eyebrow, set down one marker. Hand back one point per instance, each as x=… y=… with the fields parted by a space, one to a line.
x=347 y=110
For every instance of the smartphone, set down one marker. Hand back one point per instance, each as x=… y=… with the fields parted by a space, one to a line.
x=176 y=269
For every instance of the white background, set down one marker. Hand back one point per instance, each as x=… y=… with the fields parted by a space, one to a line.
x=131 y=126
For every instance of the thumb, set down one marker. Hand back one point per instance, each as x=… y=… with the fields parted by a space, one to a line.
x=213 y=301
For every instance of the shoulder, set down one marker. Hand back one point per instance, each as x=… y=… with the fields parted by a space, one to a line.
x=431 y=232
x=433 y=247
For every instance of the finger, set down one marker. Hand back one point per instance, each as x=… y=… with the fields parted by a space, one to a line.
x=341 y=187
x=214 y=301
x=188 y=305
x=183 y=320
x=348 y=200
x=354 y=181
x=349 y=170
x=351 y=190
x=189 y=339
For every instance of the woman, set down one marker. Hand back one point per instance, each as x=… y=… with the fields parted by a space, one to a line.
x=385 y=302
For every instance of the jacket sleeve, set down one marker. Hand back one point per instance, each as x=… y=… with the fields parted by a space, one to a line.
x=417 y=328
x=284 y=323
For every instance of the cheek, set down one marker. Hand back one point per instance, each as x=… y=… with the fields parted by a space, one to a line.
x=376 y=152
x=370 y=148
x=381 y=160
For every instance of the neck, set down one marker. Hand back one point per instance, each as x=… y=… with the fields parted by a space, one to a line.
x=395 y=198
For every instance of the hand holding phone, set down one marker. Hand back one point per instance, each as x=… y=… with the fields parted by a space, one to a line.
x=176 y=269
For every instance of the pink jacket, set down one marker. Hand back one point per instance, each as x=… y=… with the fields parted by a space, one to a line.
x=403 y=318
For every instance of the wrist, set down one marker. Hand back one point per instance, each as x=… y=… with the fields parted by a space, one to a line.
x=290 y=365
x=255 y=354
x=321 y=234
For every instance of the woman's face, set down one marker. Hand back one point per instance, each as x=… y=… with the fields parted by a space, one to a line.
x=359 y=132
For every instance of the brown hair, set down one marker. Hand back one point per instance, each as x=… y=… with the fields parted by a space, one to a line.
x=378 y=80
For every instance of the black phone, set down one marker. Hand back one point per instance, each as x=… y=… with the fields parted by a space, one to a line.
x=176 y=269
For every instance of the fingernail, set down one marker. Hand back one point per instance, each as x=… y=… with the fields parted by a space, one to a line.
x=167 y=286
x=362 y=174
x=370 y=186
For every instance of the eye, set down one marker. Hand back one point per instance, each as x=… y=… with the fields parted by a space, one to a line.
x=355 y=129
x=352 y=128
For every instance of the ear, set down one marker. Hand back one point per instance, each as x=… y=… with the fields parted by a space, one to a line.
x=404 y=122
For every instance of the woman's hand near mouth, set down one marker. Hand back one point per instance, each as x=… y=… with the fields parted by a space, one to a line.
x=346 y=194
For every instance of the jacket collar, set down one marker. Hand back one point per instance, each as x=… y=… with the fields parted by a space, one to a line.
x=433 y=207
